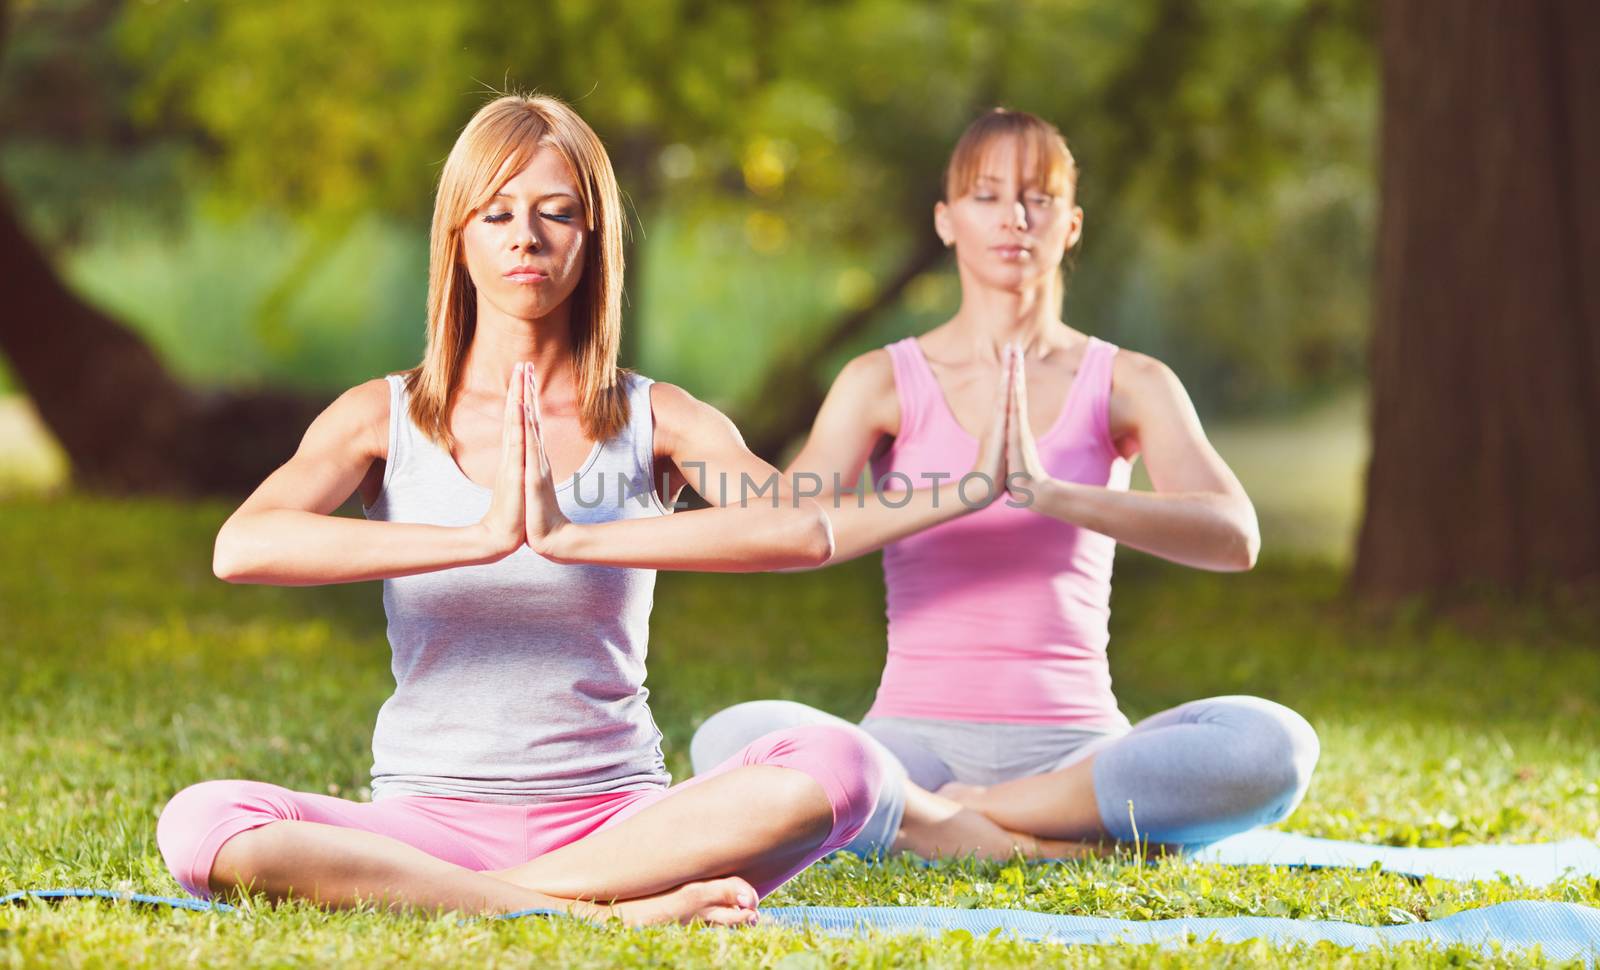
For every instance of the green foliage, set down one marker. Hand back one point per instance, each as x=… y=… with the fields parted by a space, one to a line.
x=258 y=300
x=834 y=105
x=68 y=144
x=131 y=672
x=1225 y=152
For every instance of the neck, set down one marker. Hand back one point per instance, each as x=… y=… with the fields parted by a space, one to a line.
x=990 y=318
x=500 y=342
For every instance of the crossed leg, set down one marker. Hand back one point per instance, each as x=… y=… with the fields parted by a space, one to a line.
x=702 y=850
x=764 y=814
x=1189 y=775
x=1192 y=774
x=908 y=816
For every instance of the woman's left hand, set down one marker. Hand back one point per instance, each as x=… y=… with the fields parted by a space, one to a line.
x=1023 y=468
x=546 y=523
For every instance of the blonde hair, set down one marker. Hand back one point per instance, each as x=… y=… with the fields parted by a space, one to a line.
x=498 y=142
x=1043 y=150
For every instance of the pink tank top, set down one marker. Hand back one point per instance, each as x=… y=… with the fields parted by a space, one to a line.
x=1000 y=615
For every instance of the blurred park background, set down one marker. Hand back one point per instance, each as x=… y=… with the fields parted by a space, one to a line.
x=1363 y=232
x=246 y=189
x=1353 y=227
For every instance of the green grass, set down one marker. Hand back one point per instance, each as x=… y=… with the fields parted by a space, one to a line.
x=130 y=672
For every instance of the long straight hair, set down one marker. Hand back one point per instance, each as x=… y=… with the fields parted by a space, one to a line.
x=496 y=144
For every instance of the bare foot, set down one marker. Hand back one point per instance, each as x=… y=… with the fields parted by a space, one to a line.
x=948 y=824
x=968 y=795
x=1035 y=847
x=960 y=833
x=718 y=902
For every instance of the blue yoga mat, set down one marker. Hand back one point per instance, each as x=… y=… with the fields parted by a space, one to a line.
x=1564 y=931
x=1536 y=865
x=144 y=899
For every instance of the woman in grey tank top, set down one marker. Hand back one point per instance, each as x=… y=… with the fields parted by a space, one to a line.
x=517 y=487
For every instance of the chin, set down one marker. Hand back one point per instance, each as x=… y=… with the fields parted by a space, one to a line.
x=1012 y=279
x=524 y=307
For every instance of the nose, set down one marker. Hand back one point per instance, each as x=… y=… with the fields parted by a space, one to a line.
x=1017 y=215
x=527 y=238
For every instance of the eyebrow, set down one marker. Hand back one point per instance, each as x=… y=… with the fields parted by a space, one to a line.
x=547 y=195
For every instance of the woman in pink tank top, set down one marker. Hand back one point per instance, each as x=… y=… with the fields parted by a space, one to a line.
x=996 y=704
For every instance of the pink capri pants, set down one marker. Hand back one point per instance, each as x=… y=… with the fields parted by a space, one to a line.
x=486 y=835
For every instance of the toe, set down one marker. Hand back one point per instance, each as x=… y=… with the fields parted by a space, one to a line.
x=728 y=916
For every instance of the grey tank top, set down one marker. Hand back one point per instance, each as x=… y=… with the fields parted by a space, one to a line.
x=524 y=678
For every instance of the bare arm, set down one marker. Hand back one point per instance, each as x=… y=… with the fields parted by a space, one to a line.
x=860 y=410
x=1198 y=515
x=741 y=532
x=285 y=535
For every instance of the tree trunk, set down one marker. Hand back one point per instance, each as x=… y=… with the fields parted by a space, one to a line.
x=1486 y=346
x=125 y=423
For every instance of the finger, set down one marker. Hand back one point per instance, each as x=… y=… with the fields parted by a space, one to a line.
x=513 y=419
x=1002 y=394
x=511 y=436
x=530 y=437
x=533 y=398
x=538 y=425
x=1004 y=389
x=1013 y=435
x=1019 y=387
x=1013 y=426
x=520 y=451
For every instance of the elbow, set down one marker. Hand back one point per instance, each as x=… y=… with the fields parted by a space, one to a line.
x=813 y=542
x=1251 y=549
x=227 y=564
x=1246 y=547
x=223 y=566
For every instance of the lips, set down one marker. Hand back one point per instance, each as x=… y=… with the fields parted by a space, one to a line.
x=1012 y=251
x=526 y=274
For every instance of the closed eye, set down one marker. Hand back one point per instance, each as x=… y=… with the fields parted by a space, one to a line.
x=506 y=217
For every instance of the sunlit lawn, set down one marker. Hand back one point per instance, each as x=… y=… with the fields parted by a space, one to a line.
x=129 y=672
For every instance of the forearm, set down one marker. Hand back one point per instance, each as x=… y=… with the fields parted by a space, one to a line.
x=1206 y=530
x=291 y=547
x=864 y=523
x=730 y=539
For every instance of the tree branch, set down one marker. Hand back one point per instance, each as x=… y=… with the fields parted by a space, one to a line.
x=790 y=395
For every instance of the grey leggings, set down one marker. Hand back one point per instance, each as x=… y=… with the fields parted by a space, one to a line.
x=1194 y=774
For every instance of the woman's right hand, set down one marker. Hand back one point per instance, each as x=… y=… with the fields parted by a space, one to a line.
x=991 y=461
x=505 y=526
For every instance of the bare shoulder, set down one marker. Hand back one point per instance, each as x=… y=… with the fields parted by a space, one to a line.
x=865 y=390
x=1144 y=390
x=357 y=419
x=1140 y=373
x=1141 y=384
x=870 y=373
x=679 y=415
x=672 y=404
